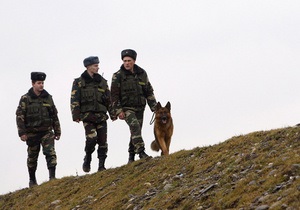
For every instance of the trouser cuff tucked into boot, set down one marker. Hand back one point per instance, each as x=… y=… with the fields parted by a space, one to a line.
x=86 y=167
x=101 y=163
x=52 y=173
x=131 y=157
x=32 y=178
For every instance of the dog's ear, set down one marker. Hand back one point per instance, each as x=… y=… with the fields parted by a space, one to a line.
x=158 y=106
x=168 y=106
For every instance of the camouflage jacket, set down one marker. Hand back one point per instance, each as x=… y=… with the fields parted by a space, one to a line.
x=37 y=114
x=77 y=107
x=120 y=97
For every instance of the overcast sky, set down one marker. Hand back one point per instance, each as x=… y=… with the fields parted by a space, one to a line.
x=227 y=67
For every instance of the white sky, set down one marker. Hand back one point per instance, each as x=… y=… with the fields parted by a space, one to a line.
x=227 y=67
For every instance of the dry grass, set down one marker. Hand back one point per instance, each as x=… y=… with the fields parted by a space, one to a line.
x=241 y=173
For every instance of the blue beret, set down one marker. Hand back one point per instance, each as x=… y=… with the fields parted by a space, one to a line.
x=90 y=61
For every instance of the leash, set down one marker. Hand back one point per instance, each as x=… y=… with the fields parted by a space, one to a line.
x=152 y=119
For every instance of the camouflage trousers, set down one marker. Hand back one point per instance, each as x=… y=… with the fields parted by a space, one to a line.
x=34 y=142
x=135 y=122
x=96 y=133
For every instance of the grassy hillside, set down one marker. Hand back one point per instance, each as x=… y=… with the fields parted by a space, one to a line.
x=260 y=170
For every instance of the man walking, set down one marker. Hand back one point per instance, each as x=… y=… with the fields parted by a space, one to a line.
x=130 y=90
x=38 y=124
x=90 y=101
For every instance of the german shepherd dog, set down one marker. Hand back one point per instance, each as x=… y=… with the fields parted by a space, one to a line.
x=163 y=129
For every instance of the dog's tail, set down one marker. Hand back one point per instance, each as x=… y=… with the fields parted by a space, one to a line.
x=155 y=146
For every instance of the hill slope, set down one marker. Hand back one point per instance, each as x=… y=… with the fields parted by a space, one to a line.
x=260 y=170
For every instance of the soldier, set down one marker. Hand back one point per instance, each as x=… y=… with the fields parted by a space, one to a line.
x=38 y=124
x=90 y=101
x=130 y=89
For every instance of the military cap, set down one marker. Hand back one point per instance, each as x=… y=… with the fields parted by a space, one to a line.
x=130 y=53
x=38 y=76
x=90 y=61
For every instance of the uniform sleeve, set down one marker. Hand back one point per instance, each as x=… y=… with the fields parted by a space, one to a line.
x=116 y=107
x=75 y=100
x=149 y=94
x=108 y=103
x=20 y=116
x=56 y=124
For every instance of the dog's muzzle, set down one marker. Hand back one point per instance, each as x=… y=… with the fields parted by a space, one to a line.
x=164 y=119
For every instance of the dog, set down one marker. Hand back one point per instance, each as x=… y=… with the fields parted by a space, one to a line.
x=163 y=129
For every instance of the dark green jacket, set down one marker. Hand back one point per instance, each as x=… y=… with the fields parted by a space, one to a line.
x=90 y=98
x=131 y=91
x=37 y=114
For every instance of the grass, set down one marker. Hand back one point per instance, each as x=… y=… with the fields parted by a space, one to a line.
x=243 y=172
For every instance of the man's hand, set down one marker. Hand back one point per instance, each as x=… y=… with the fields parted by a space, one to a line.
x=121 y=116
x=24 y=137
x=113 y=118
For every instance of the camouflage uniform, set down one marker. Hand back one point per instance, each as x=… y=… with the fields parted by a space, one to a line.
x=90 y=101
x=37 y=118
x=129 y=93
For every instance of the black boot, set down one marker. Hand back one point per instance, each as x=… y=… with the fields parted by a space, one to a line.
x=32 y=178
x=86 y=167
x=131 y=157
x=52 y=173
x=101 y=163
x=143 y=155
